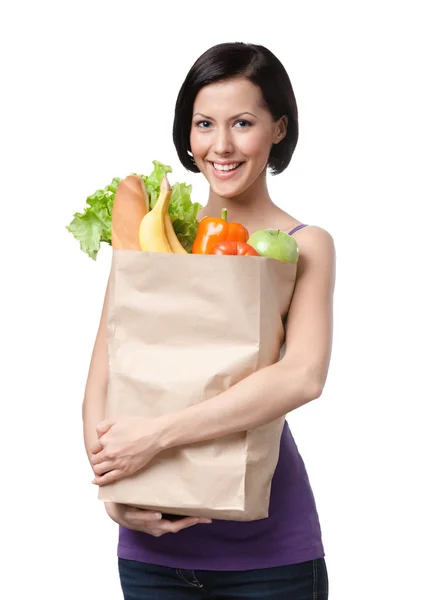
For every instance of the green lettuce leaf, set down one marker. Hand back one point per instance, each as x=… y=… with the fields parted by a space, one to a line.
x=154 y=180
x=183 y=213
x=93 y=226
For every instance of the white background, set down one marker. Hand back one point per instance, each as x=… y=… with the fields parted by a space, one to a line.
x=88 y=94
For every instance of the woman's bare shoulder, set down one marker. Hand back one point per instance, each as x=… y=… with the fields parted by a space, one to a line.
x=309 y=234
x=317 y=251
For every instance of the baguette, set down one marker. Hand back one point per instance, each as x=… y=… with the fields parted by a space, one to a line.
x=130 y=205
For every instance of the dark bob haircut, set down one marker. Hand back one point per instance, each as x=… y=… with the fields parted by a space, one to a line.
x=263 y=69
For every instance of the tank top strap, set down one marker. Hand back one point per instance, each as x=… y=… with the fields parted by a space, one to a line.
x=298 y=227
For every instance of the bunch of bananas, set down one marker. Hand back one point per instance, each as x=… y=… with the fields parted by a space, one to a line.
x=156 y=233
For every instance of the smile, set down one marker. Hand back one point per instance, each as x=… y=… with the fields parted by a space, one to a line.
x=224 y=171
x=230 y=167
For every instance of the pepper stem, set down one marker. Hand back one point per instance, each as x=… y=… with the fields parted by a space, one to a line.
x=224 y=214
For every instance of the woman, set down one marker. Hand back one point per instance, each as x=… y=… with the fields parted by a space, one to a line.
x=235 y=116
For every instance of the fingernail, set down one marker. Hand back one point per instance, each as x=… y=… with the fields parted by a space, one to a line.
x=207 y=521
x=157 y=516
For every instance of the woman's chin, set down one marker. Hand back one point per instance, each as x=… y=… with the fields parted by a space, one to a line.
x=227 y=190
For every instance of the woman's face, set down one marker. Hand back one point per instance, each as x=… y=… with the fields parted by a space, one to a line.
x=231 y=135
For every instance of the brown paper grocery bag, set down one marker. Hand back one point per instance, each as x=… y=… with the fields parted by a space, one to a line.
x=183 y=328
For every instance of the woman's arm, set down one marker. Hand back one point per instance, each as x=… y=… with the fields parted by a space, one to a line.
x=95 y=393
x=127 y=445
x=292 y=382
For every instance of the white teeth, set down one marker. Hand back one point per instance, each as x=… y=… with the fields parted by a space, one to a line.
x=226 y=167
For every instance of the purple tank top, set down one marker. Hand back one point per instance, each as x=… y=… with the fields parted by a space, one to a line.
x=291 y=533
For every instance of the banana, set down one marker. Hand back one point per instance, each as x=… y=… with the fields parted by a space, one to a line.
x=172 y=238
x=152 y=231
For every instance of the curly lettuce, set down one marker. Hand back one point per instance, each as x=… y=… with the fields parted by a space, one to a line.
x=93 y=226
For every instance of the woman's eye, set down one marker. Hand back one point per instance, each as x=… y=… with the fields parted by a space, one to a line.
x=243 y=124
x=203 y=124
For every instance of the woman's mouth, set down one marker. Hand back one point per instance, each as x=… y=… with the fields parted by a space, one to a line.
x=225 y=170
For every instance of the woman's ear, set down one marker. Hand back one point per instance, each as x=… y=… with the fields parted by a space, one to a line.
x=281 y=127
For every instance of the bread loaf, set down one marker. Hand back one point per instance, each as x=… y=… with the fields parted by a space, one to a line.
x=130 y=205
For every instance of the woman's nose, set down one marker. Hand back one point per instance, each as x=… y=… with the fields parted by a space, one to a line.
x=223 y=141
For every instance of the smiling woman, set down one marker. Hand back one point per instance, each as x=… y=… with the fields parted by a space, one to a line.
x=234 y=147
x=235 y=118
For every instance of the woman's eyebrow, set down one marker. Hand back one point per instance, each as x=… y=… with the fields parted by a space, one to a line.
x=202 y=115
x=234 y=117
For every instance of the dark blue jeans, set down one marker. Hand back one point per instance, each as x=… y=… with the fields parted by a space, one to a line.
x=303 y=581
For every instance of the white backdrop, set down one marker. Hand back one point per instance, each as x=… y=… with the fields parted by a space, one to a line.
x=88 y=94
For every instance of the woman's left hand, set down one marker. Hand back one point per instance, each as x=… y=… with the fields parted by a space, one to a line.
x=124 y=447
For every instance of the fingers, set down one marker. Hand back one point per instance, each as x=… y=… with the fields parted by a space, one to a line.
x=139 y=515
x=152 y=523
x=96 y=448
x=148 y=521
x=175 y=526
x=109 y=477
x=98 y=458
x=103 y=427
x=101 y=468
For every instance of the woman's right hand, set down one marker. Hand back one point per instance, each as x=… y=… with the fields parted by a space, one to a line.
x=147 y=521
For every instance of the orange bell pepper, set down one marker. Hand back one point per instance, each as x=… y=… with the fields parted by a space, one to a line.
x=234 y=248
x=213 y=230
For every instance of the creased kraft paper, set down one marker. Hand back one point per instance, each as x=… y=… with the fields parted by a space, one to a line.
x=181 y=329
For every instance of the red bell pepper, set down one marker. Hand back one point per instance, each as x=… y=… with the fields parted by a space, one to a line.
x=234 y=248
x=213 y=230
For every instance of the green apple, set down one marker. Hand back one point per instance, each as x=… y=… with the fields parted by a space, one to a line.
x=274 y=243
